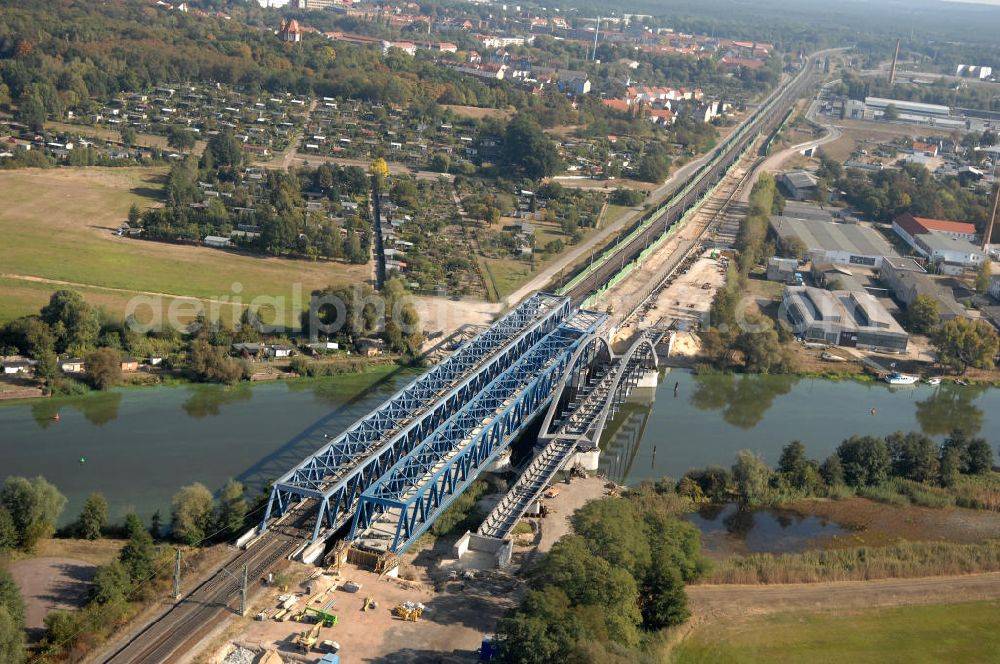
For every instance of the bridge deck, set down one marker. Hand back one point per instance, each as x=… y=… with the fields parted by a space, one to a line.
x=401 y=505
x=344 y=466
x=583 y=426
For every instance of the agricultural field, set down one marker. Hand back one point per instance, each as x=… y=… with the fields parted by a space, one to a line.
x=58 y=225
x=955 y=633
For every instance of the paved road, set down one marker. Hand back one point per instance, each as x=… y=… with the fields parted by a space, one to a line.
x=774 y=162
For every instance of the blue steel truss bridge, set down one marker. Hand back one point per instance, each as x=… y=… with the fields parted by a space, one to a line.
x=344 y=466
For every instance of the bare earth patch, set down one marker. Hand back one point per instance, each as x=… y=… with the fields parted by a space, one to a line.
x=51 y=584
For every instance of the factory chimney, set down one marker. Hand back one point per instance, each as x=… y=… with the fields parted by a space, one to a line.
x=895 y=61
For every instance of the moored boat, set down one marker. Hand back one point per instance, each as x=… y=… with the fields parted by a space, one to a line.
x=901 y=379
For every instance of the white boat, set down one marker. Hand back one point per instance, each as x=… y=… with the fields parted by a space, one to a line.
x=936 y=380
x=901 y=379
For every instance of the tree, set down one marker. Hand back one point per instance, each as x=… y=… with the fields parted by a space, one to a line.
x=979 y=457
x=211 y=364
x=832 y=470
x=891 y=113
x=795 y=247
x=379 y=170
x=440 y=162
x=73 y=322
x=93 y=517
x=139 y=554
x=133 y=215
x=545 y=629
x=12 y=613
x=913 y=456
x=104 y=368
x=192 y=513
x=8 y=531
x=962 y=343
x=796 y=468
x=232 y=508
x=950 y=465
x=751 y=476
x=528 y=150
x=224 y=150
x=663 y=599
x=865 y=460
x=983 y=276
x=128 y=136
x=923 y=314
x=180 y=138
x=34 y=505
x=31 y=112
x=112 y=583
x=654 y=166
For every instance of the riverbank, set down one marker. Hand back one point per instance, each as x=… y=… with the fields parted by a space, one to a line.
x=153 y=378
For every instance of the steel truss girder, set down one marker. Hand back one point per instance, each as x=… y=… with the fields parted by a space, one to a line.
x=424 y=482
x=583 y=426
x=340 y=470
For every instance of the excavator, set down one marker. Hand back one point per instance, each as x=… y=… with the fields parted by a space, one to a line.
x=309 y=637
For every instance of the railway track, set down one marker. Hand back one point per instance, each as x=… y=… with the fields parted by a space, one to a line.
x=714 y=210
x=588 y=280
x=187 y=622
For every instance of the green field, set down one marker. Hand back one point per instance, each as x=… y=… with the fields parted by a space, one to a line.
x=57 y=227
x=954 y=633
x=612 y=214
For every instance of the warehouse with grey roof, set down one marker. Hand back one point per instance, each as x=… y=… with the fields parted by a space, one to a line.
x=829 y=242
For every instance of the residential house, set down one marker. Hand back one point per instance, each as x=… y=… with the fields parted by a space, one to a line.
x=217 y=241
x=280 y=351
x=371 y=347
x=72 y=365
x=130 y=364
x=13 y=367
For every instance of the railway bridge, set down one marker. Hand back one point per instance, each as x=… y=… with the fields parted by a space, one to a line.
x=385 y=480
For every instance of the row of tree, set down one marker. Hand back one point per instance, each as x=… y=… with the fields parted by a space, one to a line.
x=860 y=462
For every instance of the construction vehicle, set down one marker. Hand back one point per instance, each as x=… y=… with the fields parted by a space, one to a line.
x=321 y=616
x=308 y=638
x=409 y=611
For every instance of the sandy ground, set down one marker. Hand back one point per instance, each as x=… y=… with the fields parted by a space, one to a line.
x=51 y=584
x=571 y=498
x=447 y=315
x=727 y=602
x=458 y=614
x=686 y=298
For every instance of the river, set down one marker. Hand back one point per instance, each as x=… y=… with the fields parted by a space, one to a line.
x=140 y=445
x=710 y=418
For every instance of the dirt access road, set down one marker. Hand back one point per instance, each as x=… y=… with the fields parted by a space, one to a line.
x=725 y=602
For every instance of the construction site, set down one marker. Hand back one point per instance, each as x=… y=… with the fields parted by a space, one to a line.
x=438 y=609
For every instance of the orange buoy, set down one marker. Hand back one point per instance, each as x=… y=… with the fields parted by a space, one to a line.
x=56 y=417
